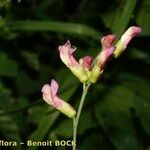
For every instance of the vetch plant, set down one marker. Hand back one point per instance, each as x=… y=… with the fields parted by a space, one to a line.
x=87 y=70
x=49 y=95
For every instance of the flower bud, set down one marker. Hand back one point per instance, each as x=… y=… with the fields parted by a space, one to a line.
x=107 y=41
x=100 y=63
x=86 y=62
x=125 y=39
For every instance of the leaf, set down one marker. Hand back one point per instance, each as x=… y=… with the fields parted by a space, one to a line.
x=44 y=126
x=118 y=19
x=86 y=122
x=142 y=17
x=6 y=101
x=4 y=3
x=25 y=84
x=148 y=148
x=64 y=128
x=31 y=60
x=142 y=108
x=138 y=85
x=60 y=27
x=138 y=54
x=12 y=106
x=2 y=22
x=96 y=140
x=113 y=114
x=10 y=130
x=8 y=67
x=142 y=98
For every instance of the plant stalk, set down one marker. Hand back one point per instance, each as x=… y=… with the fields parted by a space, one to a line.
x=76 y=119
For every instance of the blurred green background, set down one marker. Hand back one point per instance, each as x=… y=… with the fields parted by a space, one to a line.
x=116 y=114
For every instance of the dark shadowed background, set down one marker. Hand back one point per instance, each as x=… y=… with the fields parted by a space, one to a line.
x=116 y=114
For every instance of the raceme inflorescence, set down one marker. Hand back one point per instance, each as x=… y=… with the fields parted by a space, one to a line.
x=87 y=70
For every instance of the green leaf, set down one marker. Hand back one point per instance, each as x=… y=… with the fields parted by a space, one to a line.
x=25 y=84
x=8 y=67
x=60 y=27
x=142 y=108
x=9 y=129
x=4 y=3
x=113 y=114
x=64 y=128
x=142 y=17
x=31 y=60
x=142 y=98
x=118 y=19
x=2 y=22
x=44 y=126
x=138 y=85
x=96 y=141
x=86 y=122
x=138 y=54
x=148 y=148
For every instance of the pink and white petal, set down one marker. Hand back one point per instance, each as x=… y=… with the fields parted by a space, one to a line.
x=48 y=100
x=73 y=61
x=108 y=40
x=106 y=55
x=54 y=88
x=65 y=59
x=58 y=103
x=67 y=48
x=129 y=34
x=109 y=51
x=103 y=57
x=63 y=49
x=71 y=49
x=68 y=44
x=46 y=89
x=86 y=62
x=66 y=55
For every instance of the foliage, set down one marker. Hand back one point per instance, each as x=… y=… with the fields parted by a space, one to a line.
x=116 y=114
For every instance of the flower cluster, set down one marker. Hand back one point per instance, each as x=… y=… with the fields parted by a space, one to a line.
x=87 y=69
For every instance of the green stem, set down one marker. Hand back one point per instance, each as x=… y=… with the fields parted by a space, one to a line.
x=76 y=119
x=74 y=133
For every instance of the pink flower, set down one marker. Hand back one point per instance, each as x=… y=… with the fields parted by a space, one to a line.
x=125 y=39
x=108 y=40
x=107 y=50
x=66 y=54
x=99 y=63
x=104 y=56
x=130 y=34
x=50 y=96
x=86 y=62
x=89 y=70
x=79 y=69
